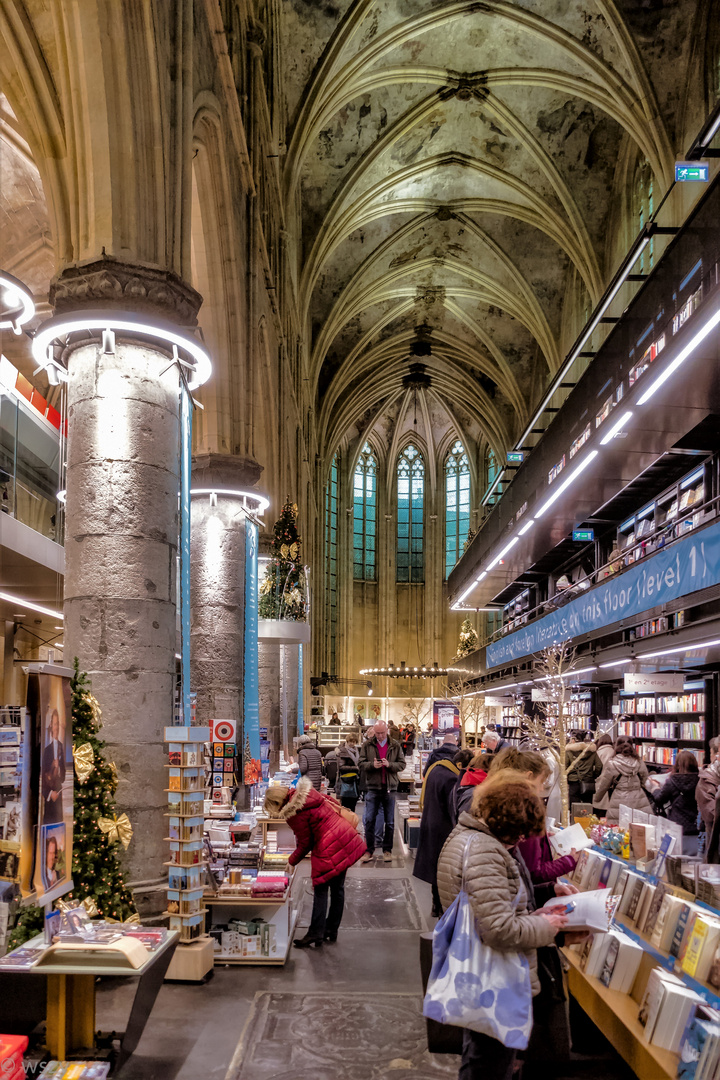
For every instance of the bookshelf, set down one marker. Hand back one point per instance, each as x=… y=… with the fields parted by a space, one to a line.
x=663 y=724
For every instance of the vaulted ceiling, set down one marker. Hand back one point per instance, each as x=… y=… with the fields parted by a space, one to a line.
x=455 y=169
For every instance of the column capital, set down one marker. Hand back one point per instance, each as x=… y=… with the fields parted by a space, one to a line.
x=108 y=282
x=232 y=471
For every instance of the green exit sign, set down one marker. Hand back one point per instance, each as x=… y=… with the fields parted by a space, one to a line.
x=583 y=536
x=515 y=457
x=689 y=171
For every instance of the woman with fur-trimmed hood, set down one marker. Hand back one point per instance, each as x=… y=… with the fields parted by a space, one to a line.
x=334 y=846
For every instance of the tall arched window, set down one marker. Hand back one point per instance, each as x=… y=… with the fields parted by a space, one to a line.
x=457 y=504
x=491 y=466
x=410 y=496
x=644 y=206
x=331 y=597
x=365 y=515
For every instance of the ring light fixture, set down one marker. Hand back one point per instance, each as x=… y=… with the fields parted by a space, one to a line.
x=18 y=306
x=261 y=503
x=196 y=358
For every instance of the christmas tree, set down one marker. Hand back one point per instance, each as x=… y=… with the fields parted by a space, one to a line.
x=282 y=590
x=97 y=831
x=468 y=640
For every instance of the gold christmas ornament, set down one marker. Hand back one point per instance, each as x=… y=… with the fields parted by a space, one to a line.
x=91 y=907
x=284 y=550
x=113 y=769
x=116 y=828
x=293 y=550
x=84 y=758
x=134 y=918
x=95 y=707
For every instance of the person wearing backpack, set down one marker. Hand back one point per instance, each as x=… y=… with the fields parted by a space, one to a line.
x=348 y=773
x=583 y=768
x=623 y=780
x=437 y=821
x=310 y=761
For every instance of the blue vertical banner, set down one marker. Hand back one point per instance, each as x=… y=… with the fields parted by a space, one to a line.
x=252 y=769
x=300 y=713
x=185 y=471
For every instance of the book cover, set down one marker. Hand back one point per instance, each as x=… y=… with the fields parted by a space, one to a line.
x=634 y=898
x=696 y=1034
x=696 y=942
x=654 y=909
x=680 y=928
x=605 y=874
x=611 y=957
x=638 y=840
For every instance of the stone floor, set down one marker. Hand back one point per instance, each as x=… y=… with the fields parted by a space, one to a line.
x=350 y=1011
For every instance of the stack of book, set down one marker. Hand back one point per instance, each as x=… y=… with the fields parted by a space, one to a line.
x=665 y=1009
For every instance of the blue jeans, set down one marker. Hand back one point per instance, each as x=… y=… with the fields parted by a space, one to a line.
x=374 y=800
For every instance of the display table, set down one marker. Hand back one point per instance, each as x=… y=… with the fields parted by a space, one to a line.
x=616 y=1015
x=70 y=1009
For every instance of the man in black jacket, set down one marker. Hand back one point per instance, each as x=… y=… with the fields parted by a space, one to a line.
x=381 y=762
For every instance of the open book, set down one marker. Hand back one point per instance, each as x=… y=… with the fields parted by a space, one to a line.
x=591 y=911
x=564 y=840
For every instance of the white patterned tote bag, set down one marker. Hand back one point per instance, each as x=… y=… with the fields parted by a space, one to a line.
x=474 y=986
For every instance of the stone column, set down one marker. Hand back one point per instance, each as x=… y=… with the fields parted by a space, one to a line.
x=270 y=712
x=121 y=539
x=217 y=573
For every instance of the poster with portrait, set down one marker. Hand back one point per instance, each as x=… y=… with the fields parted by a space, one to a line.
x=51 y=782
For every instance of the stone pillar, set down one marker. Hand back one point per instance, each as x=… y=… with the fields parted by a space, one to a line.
x=121 y=539
x=217 y=582
x=270 y=713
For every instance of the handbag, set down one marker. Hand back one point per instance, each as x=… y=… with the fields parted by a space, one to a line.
x=476 y=987
x=349 y=784
x=343 y=812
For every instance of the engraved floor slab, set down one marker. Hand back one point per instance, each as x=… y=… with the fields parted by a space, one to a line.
x=297 y=1036
x=372 y=903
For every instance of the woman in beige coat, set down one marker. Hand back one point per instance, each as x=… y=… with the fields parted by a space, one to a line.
x=605 y=751
x=623 y=779
x=503 y=812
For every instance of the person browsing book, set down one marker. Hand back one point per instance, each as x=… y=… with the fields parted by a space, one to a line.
x=333 y=844
x=677 y=797
x=503 y=812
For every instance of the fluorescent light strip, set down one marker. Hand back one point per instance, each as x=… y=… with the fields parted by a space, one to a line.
x=680 y=649
x=30 y=606
x=616 y=428
x=681 y=357
x=563 y=487
x=497 y=558
x=617 y=663
x=526 y=527
x=692 y=478
x=569 y=674
x=578 y=348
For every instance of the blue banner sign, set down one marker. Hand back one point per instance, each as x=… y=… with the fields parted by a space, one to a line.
x=689 y=565
x=252 y=768
x=692 y=171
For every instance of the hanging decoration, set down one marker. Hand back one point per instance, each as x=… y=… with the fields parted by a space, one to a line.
x=468 y=642
x=283 y=590
x=116 y=829
x=84 y=758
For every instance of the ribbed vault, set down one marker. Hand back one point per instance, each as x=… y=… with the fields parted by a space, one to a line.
x=454 y=169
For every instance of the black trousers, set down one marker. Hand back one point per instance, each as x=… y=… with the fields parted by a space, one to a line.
x=484 y=1058
x=349 y=802
x=323 y=921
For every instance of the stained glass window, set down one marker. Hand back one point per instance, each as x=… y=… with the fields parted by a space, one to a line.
x=365 y=515
x=331 y=598
x=410 y=497
x=457 y=504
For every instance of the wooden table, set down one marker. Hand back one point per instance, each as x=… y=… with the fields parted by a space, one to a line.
x=70 y=1008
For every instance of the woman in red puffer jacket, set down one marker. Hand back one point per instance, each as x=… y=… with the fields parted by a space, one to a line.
x=334 y=846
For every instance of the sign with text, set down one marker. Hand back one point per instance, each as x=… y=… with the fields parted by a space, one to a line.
x=583 y=535
x=495 y=701
x=641 y=683
x=515 y=457
x=691 y=564
x=541 y=695
x=251 y=760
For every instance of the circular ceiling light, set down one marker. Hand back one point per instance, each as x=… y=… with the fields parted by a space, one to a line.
x=57 y=329
x=17 y=306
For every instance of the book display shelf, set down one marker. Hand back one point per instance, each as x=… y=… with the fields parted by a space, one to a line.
x=661 y=725
x=253 y=900
x=673 y=988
